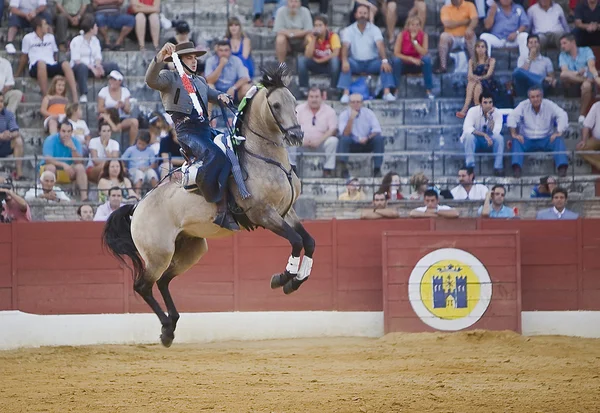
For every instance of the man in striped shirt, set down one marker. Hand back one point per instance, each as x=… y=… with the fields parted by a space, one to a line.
x=11 y=142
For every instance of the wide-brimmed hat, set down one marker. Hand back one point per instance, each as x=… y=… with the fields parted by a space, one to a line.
x=184 y=49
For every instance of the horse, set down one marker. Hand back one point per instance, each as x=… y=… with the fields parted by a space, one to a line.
x=165 y=233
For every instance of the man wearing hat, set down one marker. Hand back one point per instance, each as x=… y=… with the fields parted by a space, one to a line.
x=193 y=131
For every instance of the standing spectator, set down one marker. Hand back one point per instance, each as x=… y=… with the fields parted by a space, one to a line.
x=467 y=189
x=480 y=76
x=432 y=208
x=411 y=53
x=115 y=201
x=12 y=97
x=85 y=212
x=534 y=69
x=62 y=153
x=40 y=48
x=141 y=162
x=495 y=208
x=390 y=186
x=102 y=148
x=69 y=13
x=22 y=16
x=146 y=12
x=353 y=191
x=399 y=12
x=460 y=20
x=380 y=209
x=537 y=118
x=241 y=45
x=54 y=104
x=11 y=142
x=363 y=51
x=108 y=15
x=508 y=27
x=81 y=132
x=559 y=209
x=322 y=54
x=544 y=188
x=360 y=132
x=319 y=123
x=482 y=132
x=548 y=21
x=227 y=73
x=587 y=23
x=292 y=24
x=118 y=97
x=46 y=190
x=578 y=67
x=590 y=136
x=86 y=56
x=113 y=174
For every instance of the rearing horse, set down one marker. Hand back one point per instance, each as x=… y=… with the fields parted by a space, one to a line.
x=165 y=233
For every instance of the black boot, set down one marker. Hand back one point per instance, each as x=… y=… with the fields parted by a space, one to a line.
x=224 y=218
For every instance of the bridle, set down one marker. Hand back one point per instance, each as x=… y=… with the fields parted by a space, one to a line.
x=283 y=130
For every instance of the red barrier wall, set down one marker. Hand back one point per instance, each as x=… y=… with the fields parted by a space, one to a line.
x=52 y=268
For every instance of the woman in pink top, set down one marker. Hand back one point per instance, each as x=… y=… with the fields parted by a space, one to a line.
x=410 y=53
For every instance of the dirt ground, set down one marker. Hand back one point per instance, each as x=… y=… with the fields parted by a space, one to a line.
x=461 y=372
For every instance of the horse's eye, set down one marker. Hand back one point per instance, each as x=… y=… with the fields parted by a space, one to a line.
x=277 y=106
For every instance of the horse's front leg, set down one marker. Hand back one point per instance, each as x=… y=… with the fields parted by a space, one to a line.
x=308 y=243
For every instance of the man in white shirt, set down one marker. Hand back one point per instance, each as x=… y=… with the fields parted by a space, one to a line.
x=537 y=132
x=548 y=21
x=12 y=97
x=432 y=209
x=22 y=14
x=466 y=189
x=293 y=23
x=46 y=190
x=115 y=198
x=482 y=132
x=590 y=136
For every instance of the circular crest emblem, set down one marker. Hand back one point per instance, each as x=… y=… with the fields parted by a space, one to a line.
x=449 y=289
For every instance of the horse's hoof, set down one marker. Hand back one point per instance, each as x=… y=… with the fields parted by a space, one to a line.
x=279 y=280
x=167 y=337
x=292 y=285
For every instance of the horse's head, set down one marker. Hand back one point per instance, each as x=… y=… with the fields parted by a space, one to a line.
x=281 y=103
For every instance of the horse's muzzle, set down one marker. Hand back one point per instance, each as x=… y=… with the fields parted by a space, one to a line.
x=295 y=135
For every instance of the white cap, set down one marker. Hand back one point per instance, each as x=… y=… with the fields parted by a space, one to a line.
x=115 y=74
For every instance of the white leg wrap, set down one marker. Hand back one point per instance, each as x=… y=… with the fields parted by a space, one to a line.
x=305 y=268
x=292 y=265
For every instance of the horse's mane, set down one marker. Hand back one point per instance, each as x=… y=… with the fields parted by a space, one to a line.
x=275 y=75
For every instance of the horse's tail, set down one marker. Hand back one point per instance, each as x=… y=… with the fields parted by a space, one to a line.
x=117 y=238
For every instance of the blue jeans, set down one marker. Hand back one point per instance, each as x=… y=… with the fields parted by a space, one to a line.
x=540 y=145
x=376 y=144
x=372 y=66
x=115 y=21
x=476 y=143
x=259 y=5
x=525 y=79
x=305 y=65
x=427 y=70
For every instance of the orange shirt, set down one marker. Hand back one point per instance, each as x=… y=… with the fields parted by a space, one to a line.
x=466 y=10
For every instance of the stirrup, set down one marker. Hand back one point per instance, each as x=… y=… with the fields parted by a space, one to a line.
x=189 y=173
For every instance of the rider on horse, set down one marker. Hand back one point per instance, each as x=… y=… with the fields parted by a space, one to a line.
x=193 y=130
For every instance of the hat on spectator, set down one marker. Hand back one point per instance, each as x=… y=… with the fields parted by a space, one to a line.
x=115 y=74
x=352 y=179
x=186 y=48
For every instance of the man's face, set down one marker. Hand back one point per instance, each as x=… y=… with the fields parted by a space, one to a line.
x=48 y=182
x=66 y=131
x=87 y=213
x=559 y=201
x=464 y=178
x=533 y=43
x=44 y=27
x=190 y=61
x=141 y=145
x=293 y=4
x=566 y=45
x=356 y=102
x=379 y=201
x=314 y=99
x=535 y=97
x=498 y=195
x=115 y=199
x=456 y=2
x=224 y=51
x=431 y=202
x=362 y=14
x=487 y=104
x=505 y=3
x=545 y=3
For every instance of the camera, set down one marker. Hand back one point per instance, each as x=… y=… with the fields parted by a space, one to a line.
x=6 y=185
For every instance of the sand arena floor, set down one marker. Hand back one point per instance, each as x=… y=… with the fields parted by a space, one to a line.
x=461 y=372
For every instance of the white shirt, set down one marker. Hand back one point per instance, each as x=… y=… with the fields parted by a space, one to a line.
x=96 y=144
x=39 y=49
x=477 y=192
x=547 y=21
x=31 y=194
x=6 y=74
x=80 y=130
x=475 y=121
x=558 y=213
x=592 y=120
x=103 y=212
x=86 y=52
x=363 y=46
x=439 y=208
x=27 y=5
x=538 y=125
x=109 y=102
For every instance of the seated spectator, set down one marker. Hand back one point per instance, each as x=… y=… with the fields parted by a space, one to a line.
x=170 y=154
x=102 y=148
x=380 y=209
x=398 y=13
x=508 y=25
x=115 y=201
x=548 y=21
x=432 y=209
x=459 y=20
x=322 y=54
x=411 y=53
x=420 y=184
x=141 y=162
x=590 y=136
x=54 y=104
x=480 y=76
x=493 y=206
x=22 y=16
x=541 y=124
x=14 y=208
x=118 y=97
x=85 y=212
x=12 y=97
x=360 y=133
x=319 y=124
x=353 y=191
x=578 y=68
x=292 y=24
x=363 y=51
x=534 y=69
x=559 y=209
x=587 y=23
x=108 y=15
x=61 y=153
x=69 y=13
x=227 y=73
x=81 y=132
x=182 y=33
x=467 y=189
x=146 y=11
x=482 y=132
x=46 y=189
x=545 y=187
x=390 y=186
x=241 y=45
x=113 y=174
x=40 y=48
x=86 y=56
x=11 y=142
